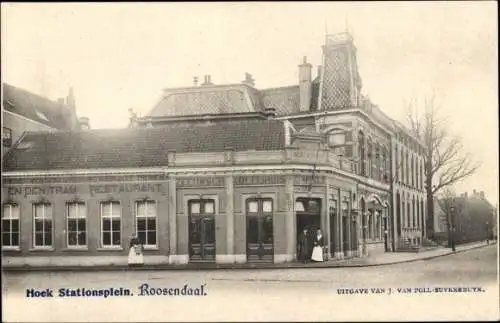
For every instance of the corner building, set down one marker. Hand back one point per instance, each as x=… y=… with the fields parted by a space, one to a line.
x=215 y=173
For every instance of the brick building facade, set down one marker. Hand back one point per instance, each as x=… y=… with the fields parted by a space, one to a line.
x=224 y=173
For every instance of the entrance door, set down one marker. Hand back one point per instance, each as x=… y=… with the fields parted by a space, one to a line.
x=201 y=230
x=308 y=213
x=333 y=226
x=345 y=229
x=259 y=229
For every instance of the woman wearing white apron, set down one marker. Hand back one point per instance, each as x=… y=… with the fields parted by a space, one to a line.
x=319 y=241
x=135 y=256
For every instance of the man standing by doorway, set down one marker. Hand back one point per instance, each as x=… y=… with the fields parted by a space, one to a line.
x=304 y=247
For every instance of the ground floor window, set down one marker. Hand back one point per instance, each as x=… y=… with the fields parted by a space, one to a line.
x=110 y=224
x=146 y=222
x=77 y=224
x=10 y=225
x=42 y=218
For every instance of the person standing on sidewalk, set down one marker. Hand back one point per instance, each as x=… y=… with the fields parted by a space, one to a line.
x=319 y=242
x=135 y=254
x=304 y=247
x=453 y=237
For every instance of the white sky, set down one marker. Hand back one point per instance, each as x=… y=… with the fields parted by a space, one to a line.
x=120 y=56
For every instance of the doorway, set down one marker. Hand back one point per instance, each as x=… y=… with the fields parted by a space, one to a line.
x=308 y=216
x=259 y=230
x=201 y=230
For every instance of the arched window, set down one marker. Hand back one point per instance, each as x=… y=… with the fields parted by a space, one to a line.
x=384 y=159
x=362 y=153
x=369 y=158
x=407 y=173
x=397 y=161
x=412 y=171
x=417 y=168
x=408 y=212
x=398 y=213
x=418 y=213
x=414 y=214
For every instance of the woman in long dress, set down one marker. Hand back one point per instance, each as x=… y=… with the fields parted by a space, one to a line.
x=135 y=256
x=319 y=241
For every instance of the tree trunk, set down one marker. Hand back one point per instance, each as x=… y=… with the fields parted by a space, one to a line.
x=430 y=210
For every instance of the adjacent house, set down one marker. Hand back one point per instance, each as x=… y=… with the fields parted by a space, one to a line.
x=25 y=111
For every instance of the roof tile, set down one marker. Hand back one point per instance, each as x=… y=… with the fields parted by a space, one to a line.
x=142 y=147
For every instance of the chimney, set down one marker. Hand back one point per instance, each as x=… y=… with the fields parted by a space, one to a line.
x=70 y=99
x=249 y=80
x=481 y=194
x=207 y=81
x=84 y=123
x=305 y=85
x=195 y=81
x=70 y=102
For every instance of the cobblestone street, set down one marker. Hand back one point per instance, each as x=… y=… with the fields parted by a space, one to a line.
x=286 y=294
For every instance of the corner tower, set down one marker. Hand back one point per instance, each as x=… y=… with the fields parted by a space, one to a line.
x=340 y=82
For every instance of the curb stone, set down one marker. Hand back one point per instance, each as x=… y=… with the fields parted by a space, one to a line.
x=231 y=267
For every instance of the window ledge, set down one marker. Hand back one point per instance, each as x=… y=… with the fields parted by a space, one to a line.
x=151 y=248
x=110 y=249
x=10 y=248
x=42 y=249
x=76 y=249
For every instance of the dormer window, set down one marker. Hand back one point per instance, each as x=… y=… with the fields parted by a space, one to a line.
x=41 y=115
x=6 y=137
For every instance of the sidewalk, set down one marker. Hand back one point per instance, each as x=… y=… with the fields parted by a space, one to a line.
x=379 y=259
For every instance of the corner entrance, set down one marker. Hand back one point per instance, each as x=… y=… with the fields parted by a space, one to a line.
x=259 y=230
x=308 y=216
x=201 y=230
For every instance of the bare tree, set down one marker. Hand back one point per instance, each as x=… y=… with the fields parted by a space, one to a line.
x=445 y=161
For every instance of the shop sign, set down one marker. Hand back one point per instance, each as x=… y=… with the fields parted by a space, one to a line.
x=199 y=181
x=42 y=190
x=124 y=187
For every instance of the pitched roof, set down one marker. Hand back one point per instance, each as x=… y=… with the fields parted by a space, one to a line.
x=284 y=100
x=227 y=99
x=35 y=107
x=141 y=147
x=224 y=99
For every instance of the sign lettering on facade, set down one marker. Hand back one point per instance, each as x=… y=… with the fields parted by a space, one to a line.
x=42 y=190
x=259 y=180
x=308 y=180
x=93 y=189
x=199 y=181
x=121 y=188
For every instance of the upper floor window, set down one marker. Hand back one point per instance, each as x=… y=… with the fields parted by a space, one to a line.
x=146 y=222
x=111 y=224
x=42 y=218
x=6 y=137
x=362 y=153
x=76 y=224
x=10 y=225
